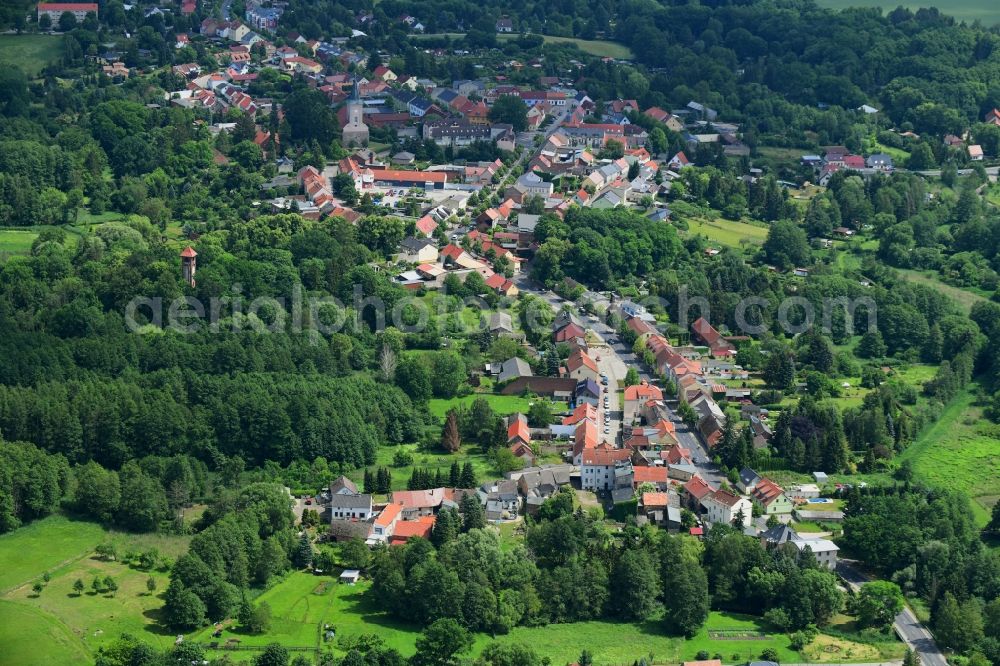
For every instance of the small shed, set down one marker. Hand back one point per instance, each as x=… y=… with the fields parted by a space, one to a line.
x=350 y=576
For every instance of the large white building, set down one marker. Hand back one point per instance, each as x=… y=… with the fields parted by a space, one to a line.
x=55 y=10
x=604 y=468
x=723 y=506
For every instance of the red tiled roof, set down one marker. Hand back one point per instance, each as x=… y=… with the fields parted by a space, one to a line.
x=389 y=513
x=518 y=429
x=649 y=475
x=643 y=391
x=605 y=457
x=580 y=359
x=767 y=491
x=426 y=225
x=655 y=499
x=421 y=499
x=67 y=7
x=568 y=332
x=188 y=252
x=697 y=487
x=411 y=176
x=407 y=529
x=584 y=410
x=726 y=498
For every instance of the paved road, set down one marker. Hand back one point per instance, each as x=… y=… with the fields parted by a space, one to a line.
x=907 y=626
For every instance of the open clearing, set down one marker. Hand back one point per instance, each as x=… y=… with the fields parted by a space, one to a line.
x=29 y=52
x=76 y=626
x=501 y=404
x=965 y=298
x=601 y=48
x=21 y=629
x=16 y=241
x=961 y=451
x=987 y=11
x=728 y=232
x=42 y=545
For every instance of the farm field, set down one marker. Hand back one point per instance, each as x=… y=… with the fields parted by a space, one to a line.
x=961 y=451
x=728 y=232
x=986 y=11
x=29 y=52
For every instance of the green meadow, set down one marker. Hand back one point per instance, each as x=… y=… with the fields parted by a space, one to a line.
x=29 y=52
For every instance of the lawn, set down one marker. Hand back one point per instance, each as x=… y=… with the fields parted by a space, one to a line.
x=987 y=11
x=962 y=451
x=501 y=404
x=29 y=52
x=727 y=232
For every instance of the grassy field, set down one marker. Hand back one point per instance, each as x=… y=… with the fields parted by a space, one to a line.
x=501 y=404
x=962 y=451
x=597 y=47
x=728 y=233
x=601 y=48
x=44 y=545
x=964 y=297
x=433 y=460
x=16 y=241
x=75 y=626
x=987 y=11
x=29 y=52
x=21 y=628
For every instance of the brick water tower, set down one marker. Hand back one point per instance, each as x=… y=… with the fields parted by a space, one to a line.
x=189 y=264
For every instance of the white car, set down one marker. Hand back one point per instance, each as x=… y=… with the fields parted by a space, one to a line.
x=607 y=430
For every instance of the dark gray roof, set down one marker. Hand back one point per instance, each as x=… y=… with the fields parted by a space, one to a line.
x=351 y=501
x=343 y=483
x=779 y=534
x=748 y=476
x=412 y=244
x=513 y=368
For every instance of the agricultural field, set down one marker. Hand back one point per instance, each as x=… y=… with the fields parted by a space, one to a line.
x=728 y=232
x=986 y=11
x=29 y=52
x=960 y=451
x=77 y=625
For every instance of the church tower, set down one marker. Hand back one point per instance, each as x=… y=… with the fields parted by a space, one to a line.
x=355 y=131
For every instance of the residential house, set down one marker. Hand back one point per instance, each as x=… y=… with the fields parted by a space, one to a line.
x=517 y=430
x=351 y=507
x=421 y=527
x=605 y=468
x=724 y=507
x=501 y=324
x=580 y=366
x=824 y=550
x=422 y=502
x=588 y=391
x=513 y=368
x=770 y=498
x=976 y=153
x=426 y=226
x=706 y=334
x=993 y=117
x=343 y=486
x=505 y=25
x=55 y=10
x=638 y=395
x=696 y=491
x=748 y=480
x=385 y=523
x=418 y=250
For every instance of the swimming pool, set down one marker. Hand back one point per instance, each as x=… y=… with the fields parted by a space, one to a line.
x=820 y=500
